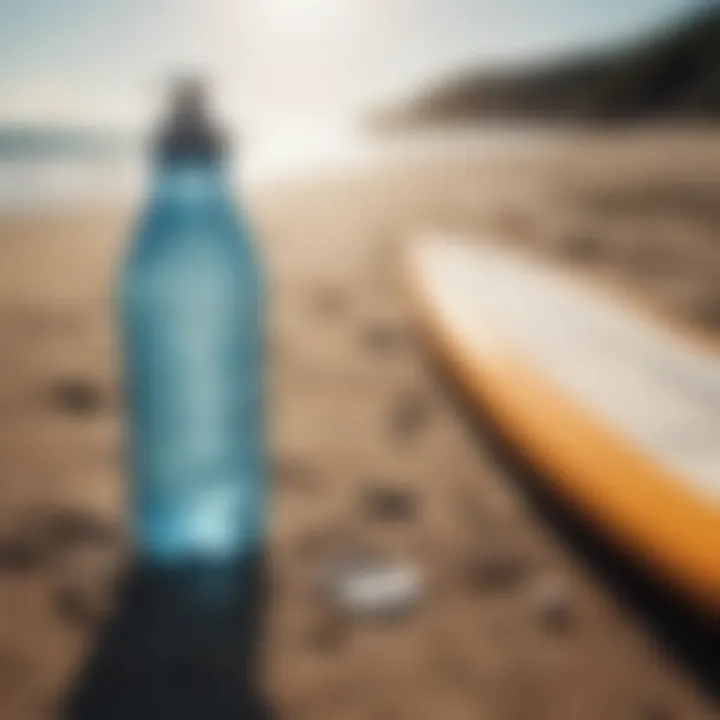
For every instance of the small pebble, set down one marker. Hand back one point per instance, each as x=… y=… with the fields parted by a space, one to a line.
x=77 y=606
x=62 y=528
x=390 y=504
x=294 y=473
x=329 y=302
x=75 y=396
x=329 y=635
x=497 y=572
x=552 y=605
x=513 y=222
x=581 y=247
x=382 y=337
x=19 y=554
x=83 y=583
x=48 y=536
x=409 y=415
x=316 y=543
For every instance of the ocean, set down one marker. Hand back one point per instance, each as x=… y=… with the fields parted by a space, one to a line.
x=47 y=168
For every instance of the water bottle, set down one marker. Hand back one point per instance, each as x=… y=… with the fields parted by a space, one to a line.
x=182 y=642
x=192 y=355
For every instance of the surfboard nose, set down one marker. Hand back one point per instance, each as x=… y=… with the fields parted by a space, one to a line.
x=621 y=417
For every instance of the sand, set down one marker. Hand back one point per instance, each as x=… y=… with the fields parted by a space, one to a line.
x=372 y=452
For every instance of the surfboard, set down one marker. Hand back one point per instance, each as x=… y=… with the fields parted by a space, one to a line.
x=618 y=414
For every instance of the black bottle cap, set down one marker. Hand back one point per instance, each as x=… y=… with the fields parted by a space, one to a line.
x=189 y=133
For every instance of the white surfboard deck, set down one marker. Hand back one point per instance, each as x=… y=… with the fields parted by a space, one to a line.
x=659 y=392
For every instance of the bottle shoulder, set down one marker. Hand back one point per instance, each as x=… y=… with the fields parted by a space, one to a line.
x=167 y=233
x=167 y=259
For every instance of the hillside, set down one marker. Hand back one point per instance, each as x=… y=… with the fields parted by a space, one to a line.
x=673 y=73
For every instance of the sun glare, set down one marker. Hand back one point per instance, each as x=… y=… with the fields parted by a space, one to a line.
x=299 y=11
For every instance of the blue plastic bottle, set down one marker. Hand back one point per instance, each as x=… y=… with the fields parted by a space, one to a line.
x=183 y=640
x=192 y=355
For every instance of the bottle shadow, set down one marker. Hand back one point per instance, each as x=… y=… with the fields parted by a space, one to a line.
x=687 y=635
x=183 y=645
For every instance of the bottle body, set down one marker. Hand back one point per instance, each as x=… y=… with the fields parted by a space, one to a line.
x=191 y=306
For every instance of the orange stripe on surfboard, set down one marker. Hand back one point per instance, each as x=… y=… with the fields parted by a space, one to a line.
x=642 y=504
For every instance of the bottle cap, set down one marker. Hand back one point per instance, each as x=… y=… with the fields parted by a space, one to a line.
x=189 y=133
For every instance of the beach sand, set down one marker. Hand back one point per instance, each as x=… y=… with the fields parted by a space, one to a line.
x=372 y=453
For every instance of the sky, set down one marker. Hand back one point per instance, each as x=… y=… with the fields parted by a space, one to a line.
x=270 y=61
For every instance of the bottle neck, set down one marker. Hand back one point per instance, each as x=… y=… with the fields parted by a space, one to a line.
x=191 y=181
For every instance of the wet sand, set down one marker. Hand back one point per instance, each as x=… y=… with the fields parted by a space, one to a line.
x=372 y=452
